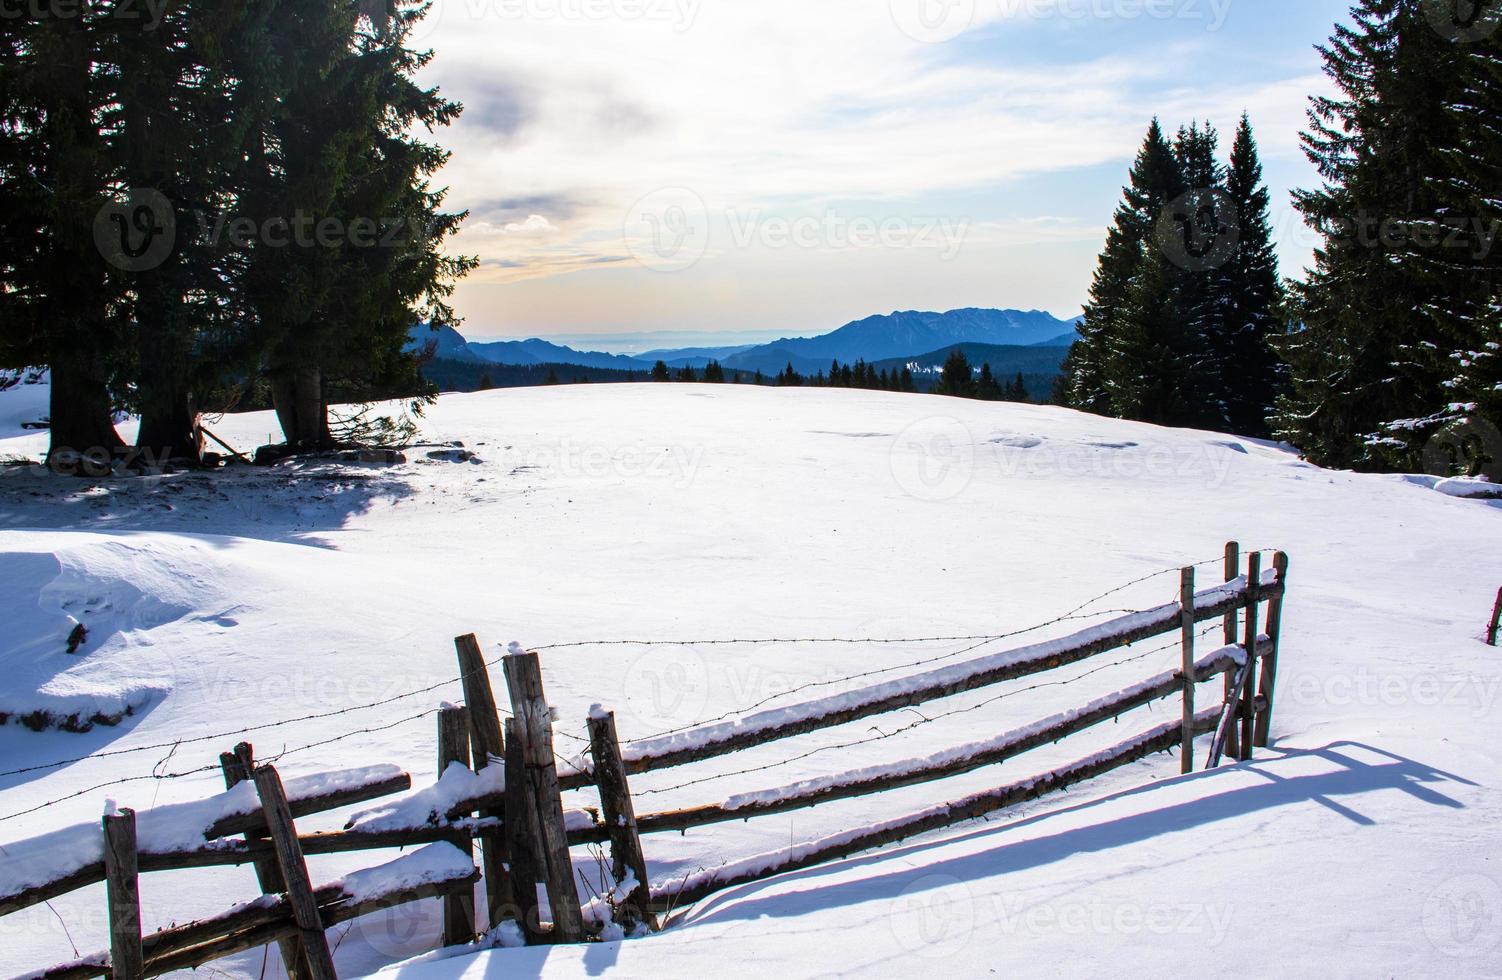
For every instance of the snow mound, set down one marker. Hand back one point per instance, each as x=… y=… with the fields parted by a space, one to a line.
x=75 y=601
x=1470 y=488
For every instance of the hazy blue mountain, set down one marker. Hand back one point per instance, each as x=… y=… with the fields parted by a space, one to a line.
x=542 y=352
x=876 y=338
x=902 y=334
x=449 y=343
x=693 y=356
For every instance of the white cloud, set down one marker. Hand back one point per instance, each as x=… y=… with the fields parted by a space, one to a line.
x=770 y=104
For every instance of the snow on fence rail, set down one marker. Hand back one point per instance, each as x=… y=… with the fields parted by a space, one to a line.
x=501 y=785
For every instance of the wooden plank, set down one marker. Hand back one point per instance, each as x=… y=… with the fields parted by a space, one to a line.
x=453 y=749
x=196 y=943
x=255 y=823
x=1249 y=690
x=1496 y=626
x=862 y=785
x=239 y=767
x=529 y=705
x=336 y=910
x=489 y=747
x=1189 y=675
x=1268 y=687
x=1208 y=607
x=626 y=855
x=1162 y=739
x=123 y=885
x=289 y=856
x=1230 y=743
x=523 y=842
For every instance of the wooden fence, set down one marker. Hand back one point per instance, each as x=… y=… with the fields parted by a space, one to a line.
x=500 y=785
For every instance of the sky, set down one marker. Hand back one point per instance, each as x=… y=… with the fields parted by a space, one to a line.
x=643 y=173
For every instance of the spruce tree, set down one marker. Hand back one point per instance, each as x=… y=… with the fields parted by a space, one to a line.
x=1369 y=357
x=957 y=378
x=56 y=290
x=1249 y=370
x=1091 y=380
x=1141 y=332
x=660 y=372
x=987 y=388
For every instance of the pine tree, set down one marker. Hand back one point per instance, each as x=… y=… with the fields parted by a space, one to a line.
x=987 y=388
x=1369 y=361
x=908 y=383
x=660 y=372
x=552 y=378
x=686 y=373
x=1250 y=372
x=714 y=373
x=1103 y=370
x=1017 y=389
x=55 y=169
x=957 y=379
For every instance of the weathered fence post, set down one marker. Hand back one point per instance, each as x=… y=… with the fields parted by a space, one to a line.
x=1191 y=676
x=122 y=884
x=289 y=857
x=489 y=749
x=1231 y=743
x=1249 y=689
x=453 y=747
x=535 y=720
x=626 y=856
x=1491 y=633
x=239 y=767
x=1270 y=662
x=523 y=843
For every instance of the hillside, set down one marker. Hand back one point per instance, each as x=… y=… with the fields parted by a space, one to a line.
x=1363 y=841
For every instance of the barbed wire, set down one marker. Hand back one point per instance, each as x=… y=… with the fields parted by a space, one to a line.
x=923 y=720
x=978 y=640
x=159 y=777
x=1074 y=615
x=252 y=729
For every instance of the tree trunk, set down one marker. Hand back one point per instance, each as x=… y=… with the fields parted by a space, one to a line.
x=298 y=396
x=82 y=419
x=165 y=327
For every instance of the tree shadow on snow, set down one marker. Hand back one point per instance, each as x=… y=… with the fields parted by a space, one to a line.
x=1338 y=790
x=291 y=503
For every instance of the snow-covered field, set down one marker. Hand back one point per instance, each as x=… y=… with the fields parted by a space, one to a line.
x=1364 y=843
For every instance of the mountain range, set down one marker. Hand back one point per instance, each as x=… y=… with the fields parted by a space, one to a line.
x=876 y=338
